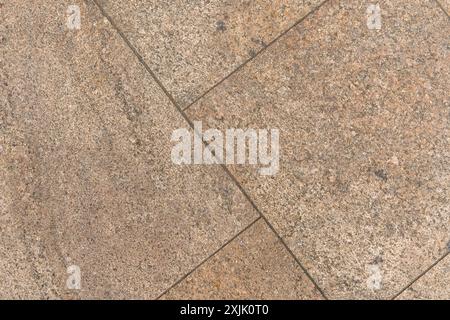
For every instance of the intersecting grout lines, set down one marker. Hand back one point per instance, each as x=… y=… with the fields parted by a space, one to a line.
x=168 y=94
x=256 y=54
x=182 y=112
x=208 y=258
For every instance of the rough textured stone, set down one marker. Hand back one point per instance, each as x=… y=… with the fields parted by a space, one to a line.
x=191 y=45
x=434 y=285
x=445 y=4
x=362 y=196
x=255 y=265
x=87 y=177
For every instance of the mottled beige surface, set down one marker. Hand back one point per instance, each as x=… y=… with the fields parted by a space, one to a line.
x=445 y=4
x=86 y=172
x=434 y=285
x=255 y=265
x=17 y=274
x=362 y=195
x=192 y=45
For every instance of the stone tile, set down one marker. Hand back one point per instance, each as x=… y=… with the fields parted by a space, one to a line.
x=192 y=45
x=434 y=285
x=445 y=4
x=255 y=265
x=16 y=274
x=87 y=177
x=362 y=195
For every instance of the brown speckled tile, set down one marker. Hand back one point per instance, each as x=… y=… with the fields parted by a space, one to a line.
x=362 y=196
x=86 y=172
x=16 y=273
x=434 y=285
x=191 y=45
x=255 y=265
x=445 y=5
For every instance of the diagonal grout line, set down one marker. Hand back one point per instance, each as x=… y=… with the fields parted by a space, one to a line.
x=447 y=253
x=420 y=276
x=440 y=6
x=183 y=114
x=274 y=231
x=141 y=60
x=209 y=257
x=257 y=54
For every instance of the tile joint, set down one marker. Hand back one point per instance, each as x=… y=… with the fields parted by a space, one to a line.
x=442 y=8
x=242 y=65
x=421 y=275
x=186 y=118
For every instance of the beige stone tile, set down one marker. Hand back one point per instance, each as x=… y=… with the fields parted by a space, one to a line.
x=255 y=265
x=362 y=195
x=434 y=285
x=445 y=4
x=17 y=280
x=87 y=177
x=192 y=45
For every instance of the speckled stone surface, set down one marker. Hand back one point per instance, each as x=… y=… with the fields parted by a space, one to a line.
x=191 y=45
x=434 y=285
x=445 y=4
x=86 y=174
x=362 y=195
x=255 y=265
x=17 y=277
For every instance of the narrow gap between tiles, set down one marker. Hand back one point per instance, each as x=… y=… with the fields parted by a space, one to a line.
x=311 y=12
x=420 y=275
x=447 y=253
x=442 y=8
x=208 y=258
x=183 y=114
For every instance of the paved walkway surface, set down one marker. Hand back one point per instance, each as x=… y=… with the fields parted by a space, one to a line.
x=92 y=205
